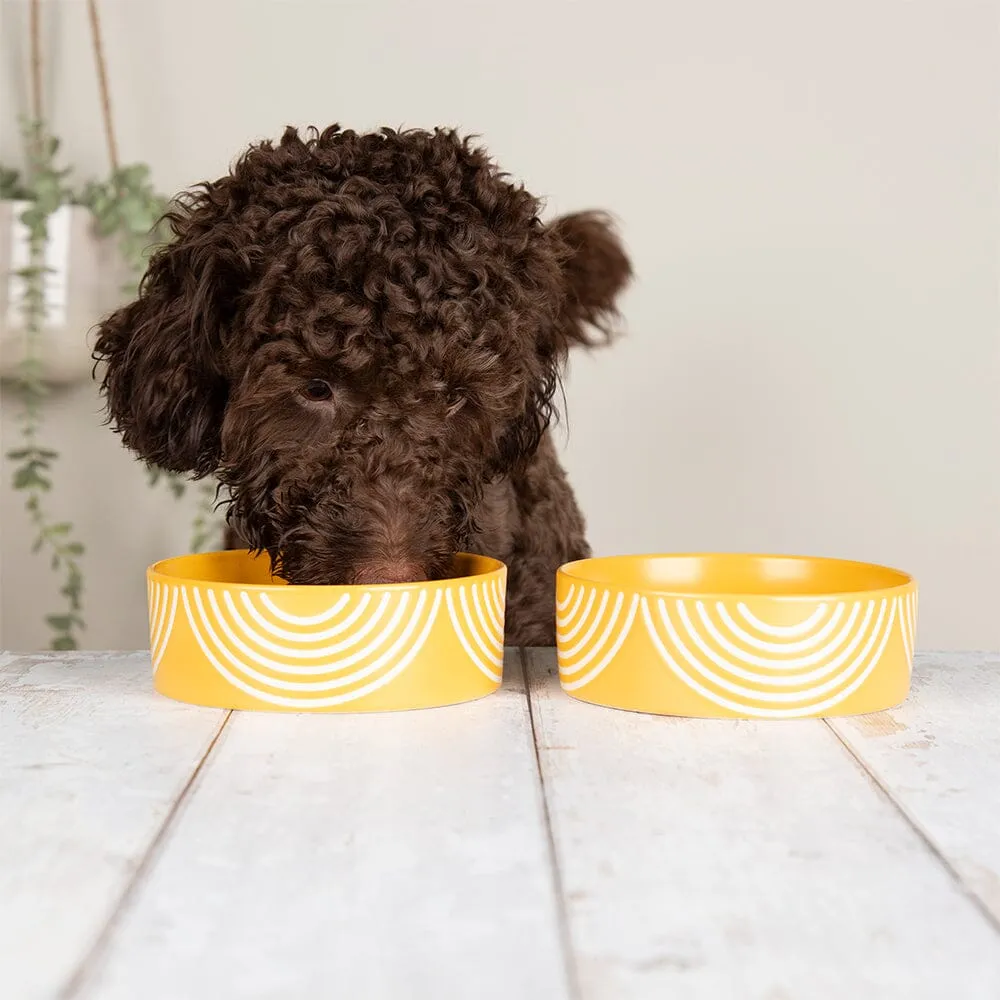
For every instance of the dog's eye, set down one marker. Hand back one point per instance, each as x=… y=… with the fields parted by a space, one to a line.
x=317 y=390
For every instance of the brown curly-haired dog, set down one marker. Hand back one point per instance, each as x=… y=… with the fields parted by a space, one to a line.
x=361 y=335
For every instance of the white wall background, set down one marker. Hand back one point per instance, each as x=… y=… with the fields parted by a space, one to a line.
x=810 y=193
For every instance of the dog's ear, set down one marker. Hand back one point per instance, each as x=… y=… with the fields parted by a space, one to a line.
x=163 y=385
x=596 y=270
x=589 y=269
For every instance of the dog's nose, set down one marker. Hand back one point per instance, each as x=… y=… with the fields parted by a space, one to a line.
x=374 y=574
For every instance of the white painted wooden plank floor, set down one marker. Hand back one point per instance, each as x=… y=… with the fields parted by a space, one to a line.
x=938 y=757
x=90 y=769
x=707 y=859
x=522 y=846
x=403 y=854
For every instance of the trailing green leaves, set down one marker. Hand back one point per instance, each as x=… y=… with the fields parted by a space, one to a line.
x=127 y=206
x=45 y=191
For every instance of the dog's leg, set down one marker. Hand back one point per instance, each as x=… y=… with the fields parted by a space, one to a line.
x=549 y=531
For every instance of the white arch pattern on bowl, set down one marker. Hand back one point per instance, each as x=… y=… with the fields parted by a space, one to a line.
x=486 y=646
x=162 y=611
x=782 y=631
x=841 y=647
x=235 y=638
x=745 y=697
x=311 y=654
x=299 y=636
x=328 y=666
x=606 y=647
x=791 y=645
x=706 y=670
x=290 y=619
x=908 y=625
x=241 y=675
x=384 y=648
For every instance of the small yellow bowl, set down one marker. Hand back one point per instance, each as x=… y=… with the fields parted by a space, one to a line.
x=735 y=636
x=225 y=633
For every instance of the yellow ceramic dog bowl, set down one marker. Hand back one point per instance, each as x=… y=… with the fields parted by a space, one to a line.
x=225 y=633
x=735 y=636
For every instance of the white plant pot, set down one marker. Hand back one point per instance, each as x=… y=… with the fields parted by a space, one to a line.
x=84 y=284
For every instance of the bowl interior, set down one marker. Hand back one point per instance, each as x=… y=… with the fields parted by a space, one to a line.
x=784 y=576
x=244 y=569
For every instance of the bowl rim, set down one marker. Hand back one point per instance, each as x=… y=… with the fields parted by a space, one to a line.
x=158 y=572
x=572 y=571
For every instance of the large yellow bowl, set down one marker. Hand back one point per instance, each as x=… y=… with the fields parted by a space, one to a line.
x=225 y=633
x=735 y=636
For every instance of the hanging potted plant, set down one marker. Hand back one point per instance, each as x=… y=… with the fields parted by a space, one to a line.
x=50 y=247
x=67 y=256
x=40 y=229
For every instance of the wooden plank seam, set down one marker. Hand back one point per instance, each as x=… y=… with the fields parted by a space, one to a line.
x=88 y=964
x=565 y=936
x=924 y=835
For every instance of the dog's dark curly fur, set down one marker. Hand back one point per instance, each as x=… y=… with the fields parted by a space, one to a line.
x=361 y=335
